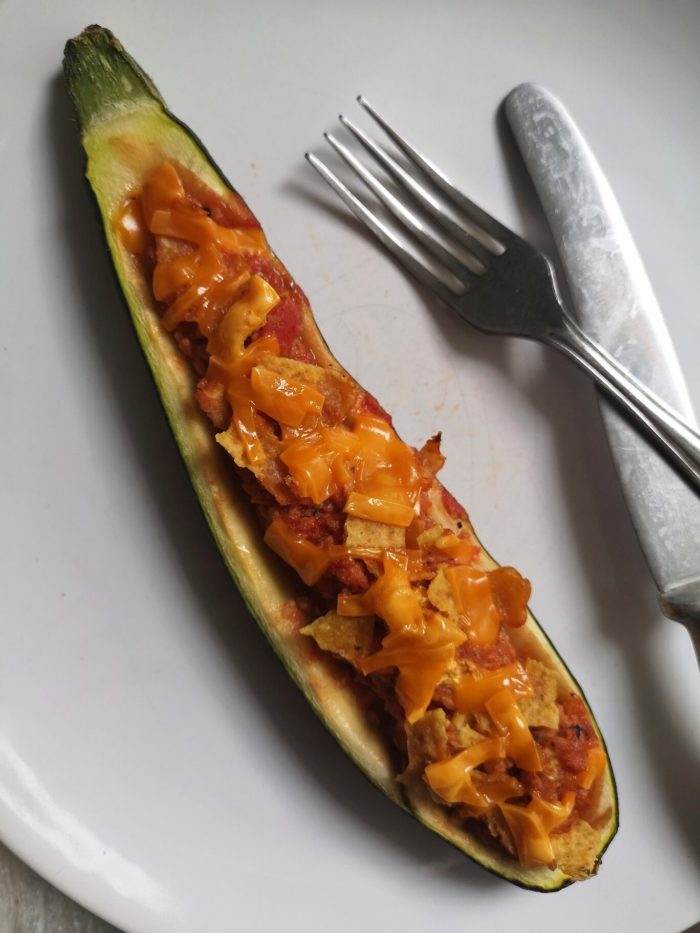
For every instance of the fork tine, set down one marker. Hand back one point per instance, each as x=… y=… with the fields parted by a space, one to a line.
x=445 y=288
x=472 y=210
x=402 y=213
x=425 y=198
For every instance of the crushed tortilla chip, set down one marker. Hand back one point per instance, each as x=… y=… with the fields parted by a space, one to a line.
x=430 y=459
x=464 y=735
x=427 y=739
x=497 y=826
x=481 y=721
x=268 y=473
x=231 y=443
x=348 y=637
x=428 y=537
x=541 y=709
x=576 y=850
x=440 y=594
x=359 y=532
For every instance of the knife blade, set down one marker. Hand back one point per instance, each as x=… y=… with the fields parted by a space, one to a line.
x=615 y=304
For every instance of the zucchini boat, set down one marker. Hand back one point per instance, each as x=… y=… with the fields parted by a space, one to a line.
x=413 y=646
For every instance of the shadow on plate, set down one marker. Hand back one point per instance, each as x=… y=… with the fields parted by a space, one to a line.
x=142 y=424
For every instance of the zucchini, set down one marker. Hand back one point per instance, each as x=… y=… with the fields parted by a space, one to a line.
x=126 y=133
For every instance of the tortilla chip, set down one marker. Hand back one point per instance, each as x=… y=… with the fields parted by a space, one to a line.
x=348 y=637
x=464 y=735
x=359 y=532
x=269 y=472
x=498 y=827
x=427 y=740
x=441 y=596
x=231 y=443
x=541 y=709
x=481 y=722
x=576 y=850
x=427 y=538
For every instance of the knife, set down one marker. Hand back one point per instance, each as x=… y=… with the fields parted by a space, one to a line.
x=615 y=304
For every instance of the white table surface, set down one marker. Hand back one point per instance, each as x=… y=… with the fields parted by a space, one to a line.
x=155 y=763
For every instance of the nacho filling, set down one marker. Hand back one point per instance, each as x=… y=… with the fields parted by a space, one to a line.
x=398 y=590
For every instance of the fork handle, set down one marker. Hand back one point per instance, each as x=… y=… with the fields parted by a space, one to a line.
x=679 y=420
x=670 y=432
x=682 y=604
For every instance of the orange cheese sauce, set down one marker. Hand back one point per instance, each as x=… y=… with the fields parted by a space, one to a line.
x=323 y=462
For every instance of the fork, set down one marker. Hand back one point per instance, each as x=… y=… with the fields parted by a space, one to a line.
x=492 y=278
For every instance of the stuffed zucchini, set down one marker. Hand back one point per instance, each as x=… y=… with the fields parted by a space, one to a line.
x=414 y=647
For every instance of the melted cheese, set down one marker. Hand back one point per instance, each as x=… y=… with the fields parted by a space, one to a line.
x=474 y=597
x=451 y=779
x=244 y=422
x=420 y=645
x=377 y=508
x=285 y=400
x=248 y=313
x=168 y=212
x=342 y=447
x=415 y=568
x=377 y=470
x=162 y=190
x=211 y=288
x=130 y=226
x=200 y=275
x=230 y=364
x=195 y=227
x=595 y=766
x=308 y=465
x=509 y=720
x=472 y=690
x=309 y=560
x=422 y=659
x=320 y=461
x=531 y=826
x=460 y=549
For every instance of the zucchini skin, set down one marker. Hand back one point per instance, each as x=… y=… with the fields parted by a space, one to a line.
x=111 y=94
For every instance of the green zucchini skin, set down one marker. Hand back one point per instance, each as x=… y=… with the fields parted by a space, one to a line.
x=125 y=128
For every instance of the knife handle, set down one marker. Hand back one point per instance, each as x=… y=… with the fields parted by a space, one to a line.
x=613 y=301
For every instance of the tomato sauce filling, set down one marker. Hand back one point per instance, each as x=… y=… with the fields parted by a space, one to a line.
x=397 y=587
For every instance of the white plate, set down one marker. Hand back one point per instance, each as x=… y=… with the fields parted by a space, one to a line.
x=155 y=761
